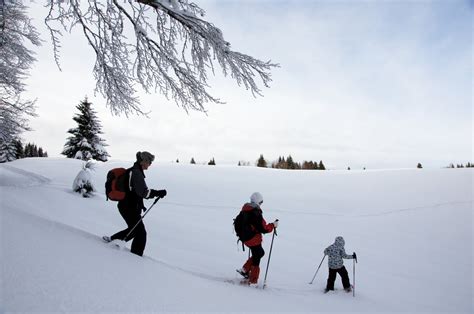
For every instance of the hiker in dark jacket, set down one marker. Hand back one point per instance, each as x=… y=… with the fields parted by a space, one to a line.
x=251 y=268
x=336 y=253
x=132 y=205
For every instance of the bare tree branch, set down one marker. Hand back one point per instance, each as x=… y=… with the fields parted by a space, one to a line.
x=15 y=63
x=163 y=45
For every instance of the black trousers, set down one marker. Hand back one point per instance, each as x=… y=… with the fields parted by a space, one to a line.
x=257 y=254
x=132 y=216
x=332 y=277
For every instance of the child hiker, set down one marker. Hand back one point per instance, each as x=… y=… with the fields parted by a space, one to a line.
x=336 y=253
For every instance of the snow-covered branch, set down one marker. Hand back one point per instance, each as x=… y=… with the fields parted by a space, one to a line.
x=161 y=45
x=15 y=62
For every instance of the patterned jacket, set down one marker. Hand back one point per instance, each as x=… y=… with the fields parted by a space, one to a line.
x=336 y=253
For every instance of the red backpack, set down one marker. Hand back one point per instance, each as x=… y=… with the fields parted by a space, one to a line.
x=116 y=184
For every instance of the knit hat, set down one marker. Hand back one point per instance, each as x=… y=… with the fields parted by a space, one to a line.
x=256 y=198
x=145 y=156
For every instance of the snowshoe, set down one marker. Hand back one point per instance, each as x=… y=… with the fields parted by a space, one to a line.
x=243 y=273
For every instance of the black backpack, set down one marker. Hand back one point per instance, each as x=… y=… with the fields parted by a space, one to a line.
x=243 y=227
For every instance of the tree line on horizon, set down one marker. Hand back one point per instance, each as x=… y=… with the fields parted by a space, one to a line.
x=289 y=163
x=468 y=165
x=16 y=150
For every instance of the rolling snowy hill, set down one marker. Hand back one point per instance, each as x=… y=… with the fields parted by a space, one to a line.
x=411 y=229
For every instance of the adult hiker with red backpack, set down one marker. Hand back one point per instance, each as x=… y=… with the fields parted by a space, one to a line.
x=131 y=205
x=249 y=226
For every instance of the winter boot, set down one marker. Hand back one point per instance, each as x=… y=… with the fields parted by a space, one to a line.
x=254 y=273
x=348 y=289
x=106 y=239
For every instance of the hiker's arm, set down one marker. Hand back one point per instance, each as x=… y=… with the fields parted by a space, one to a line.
x=138 y=184
x=344 y=255
x=262 y=226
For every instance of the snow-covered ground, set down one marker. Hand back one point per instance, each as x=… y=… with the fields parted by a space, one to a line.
x=411 y=229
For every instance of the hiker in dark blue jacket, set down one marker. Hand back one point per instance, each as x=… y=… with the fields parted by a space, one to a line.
x=132 y=205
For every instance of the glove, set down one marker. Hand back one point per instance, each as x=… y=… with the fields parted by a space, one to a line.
x=354 y=256
x=275 y=224
x=157 y=193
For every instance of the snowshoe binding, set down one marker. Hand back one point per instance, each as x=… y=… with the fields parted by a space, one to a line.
x=243 y=273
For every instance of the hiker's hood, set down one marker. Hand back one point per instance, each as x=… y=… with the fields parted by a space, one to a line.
x=339 y=242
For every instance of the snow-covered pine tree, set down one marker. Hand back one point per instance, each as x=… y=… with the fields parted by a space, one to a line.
x=85 y=143
x=20 y=153
x=8 y=150
x=83 y=182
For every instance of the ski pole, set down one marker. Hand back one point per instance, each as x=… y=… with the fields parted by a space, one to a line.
x=269 y=255
x=317 y=269
x=354 y=261
x=141 y=218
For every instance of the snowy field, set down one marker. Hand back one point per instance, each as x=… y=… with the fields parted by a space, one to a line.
x=411 y=229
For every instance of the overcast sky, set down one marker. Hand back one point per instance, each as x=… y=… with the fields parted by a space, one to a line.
x=376 y=84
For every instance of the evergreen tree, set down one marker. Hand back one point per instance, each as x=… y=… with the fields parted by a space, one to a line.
x=321 y=165
x=192 y=161
x=8 y=150
x=20 y=153
x=29 y=150
x=212 y=162
x=290 y=164
x=280 y=164
x=261 y=162
x=26 y=150
x=85 y=142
